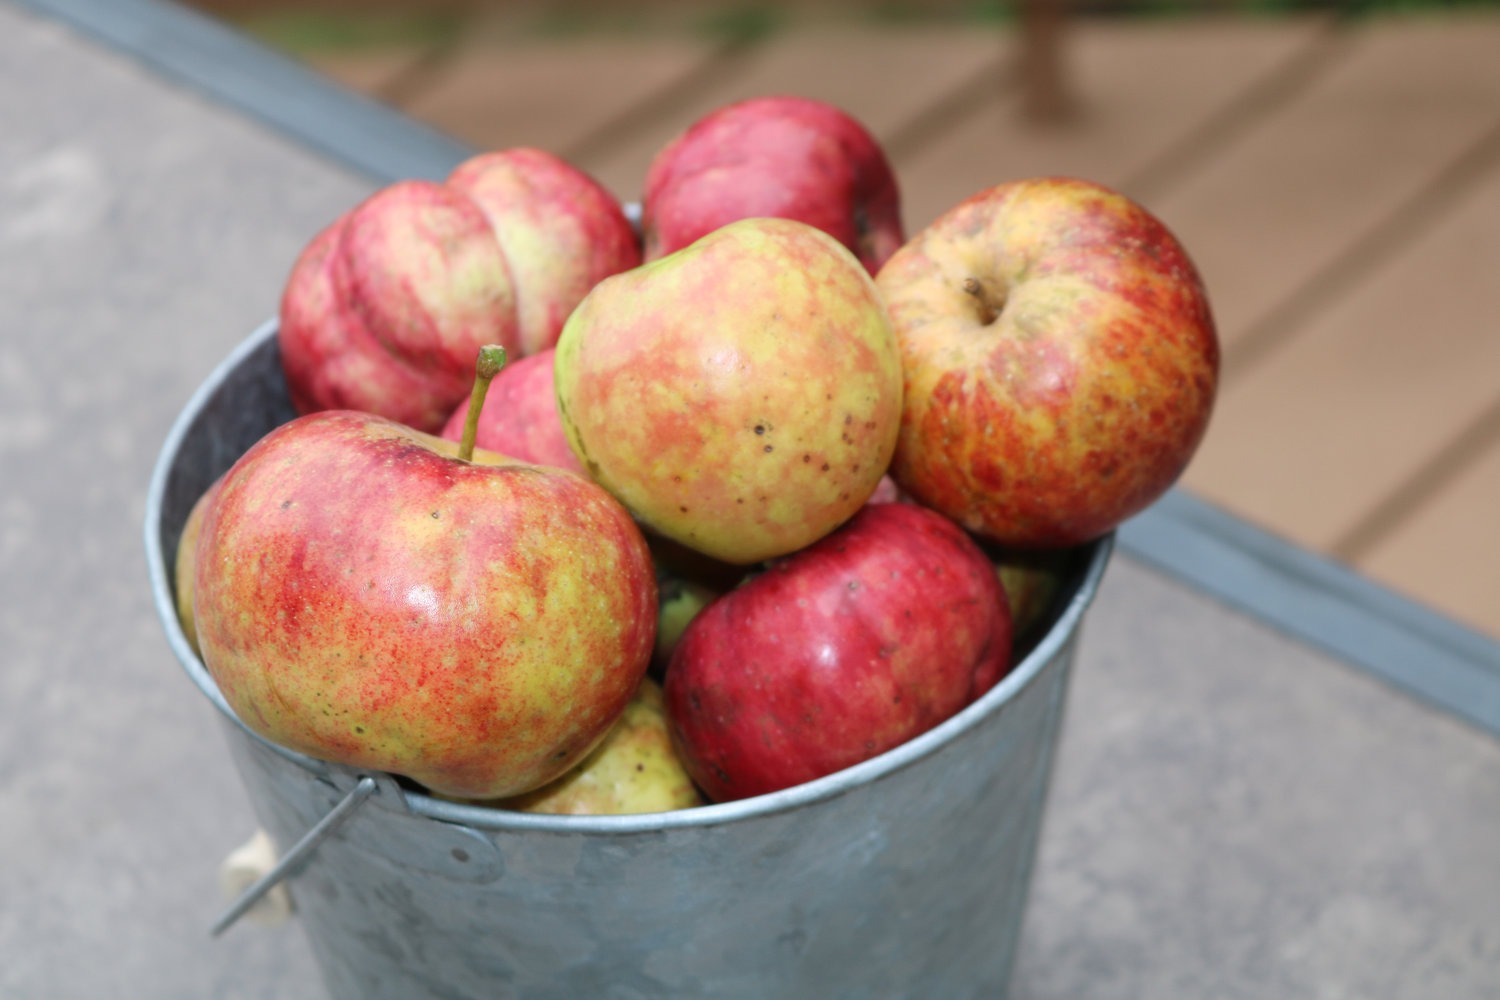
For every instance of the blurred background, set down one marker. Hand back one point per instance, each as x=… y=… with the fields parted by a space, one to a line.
x=1334 y=169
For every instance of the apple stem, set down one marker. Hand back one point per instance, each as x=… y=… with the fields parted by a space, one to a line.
x=987 y=312
x=491 y=360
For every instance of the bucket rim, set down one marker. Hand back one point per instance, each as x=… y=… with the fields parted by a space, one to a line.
x=1050 y=647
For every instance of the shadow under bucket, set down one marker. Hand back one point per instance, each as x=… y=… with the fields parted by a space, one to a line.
x=904 y=876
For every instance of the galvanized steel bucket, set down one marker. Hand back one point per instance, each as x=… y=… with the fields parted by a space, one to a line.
x=905 y=876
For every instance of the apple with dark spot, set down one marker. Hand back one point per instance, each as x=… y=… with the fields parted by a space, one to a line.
x=740 y=396
x=837 y=653
x=1060 y=361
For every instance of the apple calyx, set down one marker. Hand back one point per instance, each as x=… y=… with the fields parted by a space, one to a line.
x=491 y=360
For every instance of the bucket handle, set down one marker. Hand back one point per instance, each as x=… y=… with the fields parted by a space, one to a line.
x=365 y=787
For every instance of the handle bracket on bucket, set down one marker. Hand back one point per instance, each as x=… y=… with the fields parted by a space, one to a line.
x=365 y=787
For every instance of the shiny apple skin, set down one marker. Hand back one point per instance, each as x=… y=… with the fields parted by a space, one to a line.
x=1060 y=359
x=364 y=597
x=777 y=156
x=385 y=310
x=560 y=230
x=838 y=653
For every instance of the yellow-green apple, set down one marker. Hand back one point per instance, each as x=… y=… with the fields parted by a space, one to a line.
x=1032 y=579
x=519 y=417
x=788 y=157
x=386 y=309
x=686 y=583
x=559 y=229
x=741 y=395
x=183 y=562
x=679 y=599
x=372 y=595
x=1060 y=361
x=837 y=653
x=635 y=769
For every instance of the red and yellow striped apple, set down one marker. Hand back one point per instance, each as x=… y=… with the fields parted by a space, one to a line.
x=560 y=230
x=1060 y=361
x=740 y=396
x=366 y=595
x=386 y=309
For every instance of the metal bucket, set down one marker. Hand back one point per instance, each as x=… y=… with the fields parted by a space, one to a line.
x=904 y=876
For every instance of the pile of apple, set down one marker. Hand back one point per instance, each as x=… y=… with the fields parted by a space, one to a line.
x=589 y=516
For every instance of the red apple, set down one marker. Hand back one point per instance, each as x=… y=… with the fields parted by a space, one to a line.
x=386 y=309
x=365 y=595
x=519 y=417
x=1060 y=361
x=787 y=157
x=740 y=396
x=560 y=230
x=837 y=653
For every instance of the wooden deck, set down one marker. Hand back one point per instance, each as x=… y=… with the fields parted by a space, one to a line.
x=1338 y=182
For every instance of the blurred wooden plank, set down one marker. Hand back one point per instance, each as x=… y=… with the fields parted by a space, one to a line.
x=1141 y=88
x=370 y=71
x=885 y=77
x=1448 y=553
x=1319 y=433
x=553 y=93
x=1270 y=213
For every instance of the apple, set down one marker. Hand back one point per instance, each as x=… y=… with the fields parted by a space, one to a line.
x=787 y=157
x=679 y=599
x=740 y=396
x=519 y=417
x=561 y=232
x=386 y=309
x=382 y=598
x=1060 y=361
x=886 y=491
x=1032 y=579
x=182 y=564
x=837 y=653
x=633 y=770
